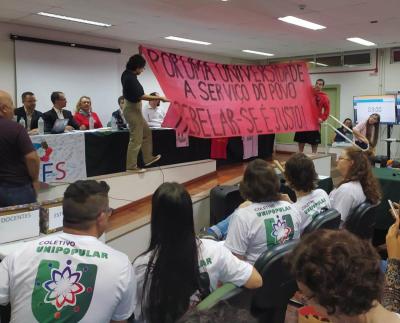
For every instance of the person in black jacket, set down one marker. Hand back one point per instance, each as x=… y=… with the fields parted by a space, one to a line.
x=58 y=112
x=29 y=113
x=118 y=115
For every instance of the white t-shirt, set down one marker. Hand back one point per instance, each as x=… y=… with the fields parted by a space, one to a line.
x=154 y=117
x=310 y=205
x=259 y=226
x=73 y=278
x=346 y=198
x=220 y=264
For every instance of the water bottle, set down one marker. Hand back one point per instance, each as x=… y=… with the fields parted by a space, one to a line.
x=22 y=122
x=114 y=125
x=41 y=126
x=91 y=122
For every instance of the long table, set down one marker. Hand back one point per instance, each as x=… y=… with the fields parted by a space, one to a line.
x=106 y=151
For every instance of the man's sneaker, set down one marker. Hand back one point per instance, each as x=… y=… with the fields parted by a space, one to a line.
x=155 y=159
x=136 y=170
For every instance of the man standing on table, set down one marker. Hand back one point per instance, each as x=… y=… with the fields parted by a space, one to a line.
x=19 y=162
x=140 y=136
x=314 y=137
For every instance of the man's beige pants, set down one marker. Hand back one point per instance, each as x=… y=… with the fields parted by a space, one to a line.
x=139 y=135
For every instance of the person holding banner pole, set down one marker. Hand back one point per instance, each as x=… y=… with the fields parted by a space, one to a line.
x=139 y=132
x=314 y=137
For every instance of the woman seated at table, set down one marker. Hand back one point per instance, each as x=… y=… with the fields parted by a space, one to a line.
x=349 y=124
x=340 y=276
x=358 y=185
x=367 y=132
x=83 y=112
x=302 y=178
x=178 y=270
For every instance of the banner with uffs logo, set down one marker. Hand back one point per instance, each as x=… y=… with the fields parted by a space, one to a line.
x=62 y=157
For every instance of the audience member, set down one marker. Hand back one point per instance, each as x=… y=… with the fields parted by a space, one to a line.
x=140 y=136
x=264 y=191
x=29 y=113
x=19 y=162
x=71 y=276
x=83 y=112
x=349 y=124
x=153 y=113
x=118 y=115
x=265 y=220
x=220 y=313
x=391 y=292
x=177 y=270
x=358 y=185
x=302 y=178
x=367 y=131
x=58 y=112
x=340 y=276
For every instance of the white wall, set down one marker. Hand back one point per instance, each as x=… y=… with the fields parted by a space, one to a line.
x=365 y=83
x=7 y=57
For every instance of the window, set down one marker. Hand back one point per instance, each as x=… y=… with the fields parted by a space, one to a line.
x=395 y=55
x=357 y=59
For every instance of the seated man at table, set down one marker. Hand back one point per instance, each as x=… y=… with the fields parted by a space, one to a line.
x=71 y=276
x=153 y=113
x=118 y=115
x=29 y=113
x=58 y=112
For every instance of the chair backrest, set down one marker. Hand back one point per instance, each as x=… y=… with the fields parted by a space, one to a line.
x=279 y=285
x=329 y=219
x=362 y=220
x=224 y=199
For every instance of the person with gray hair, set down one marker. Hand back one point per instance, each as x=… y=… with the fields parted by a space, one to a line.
x=71 y=276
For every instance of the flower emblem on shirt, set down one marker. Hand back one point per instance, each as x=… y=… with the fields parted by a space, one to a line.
x=63 y=287
x=281 y=231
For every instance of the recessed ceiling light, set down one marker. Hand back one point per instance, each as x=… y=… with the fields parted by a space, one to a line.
x=361 y=41
x=256 y=52
x=83 y=21
x=319 y=64
x=301 y=22
x=186 y=40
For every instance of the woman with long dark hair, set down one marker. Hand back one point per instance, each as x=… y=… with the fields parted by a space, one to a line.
x=178 y=269
x=358 y=185
x=367 y=131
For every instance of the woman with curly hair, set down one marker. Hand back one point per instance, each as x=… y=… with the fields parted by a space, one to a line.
x=339 y=275
x=358 y=185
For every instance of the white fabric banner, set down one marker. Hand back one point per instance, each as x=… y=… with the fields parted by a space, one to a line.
x=62 y=157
